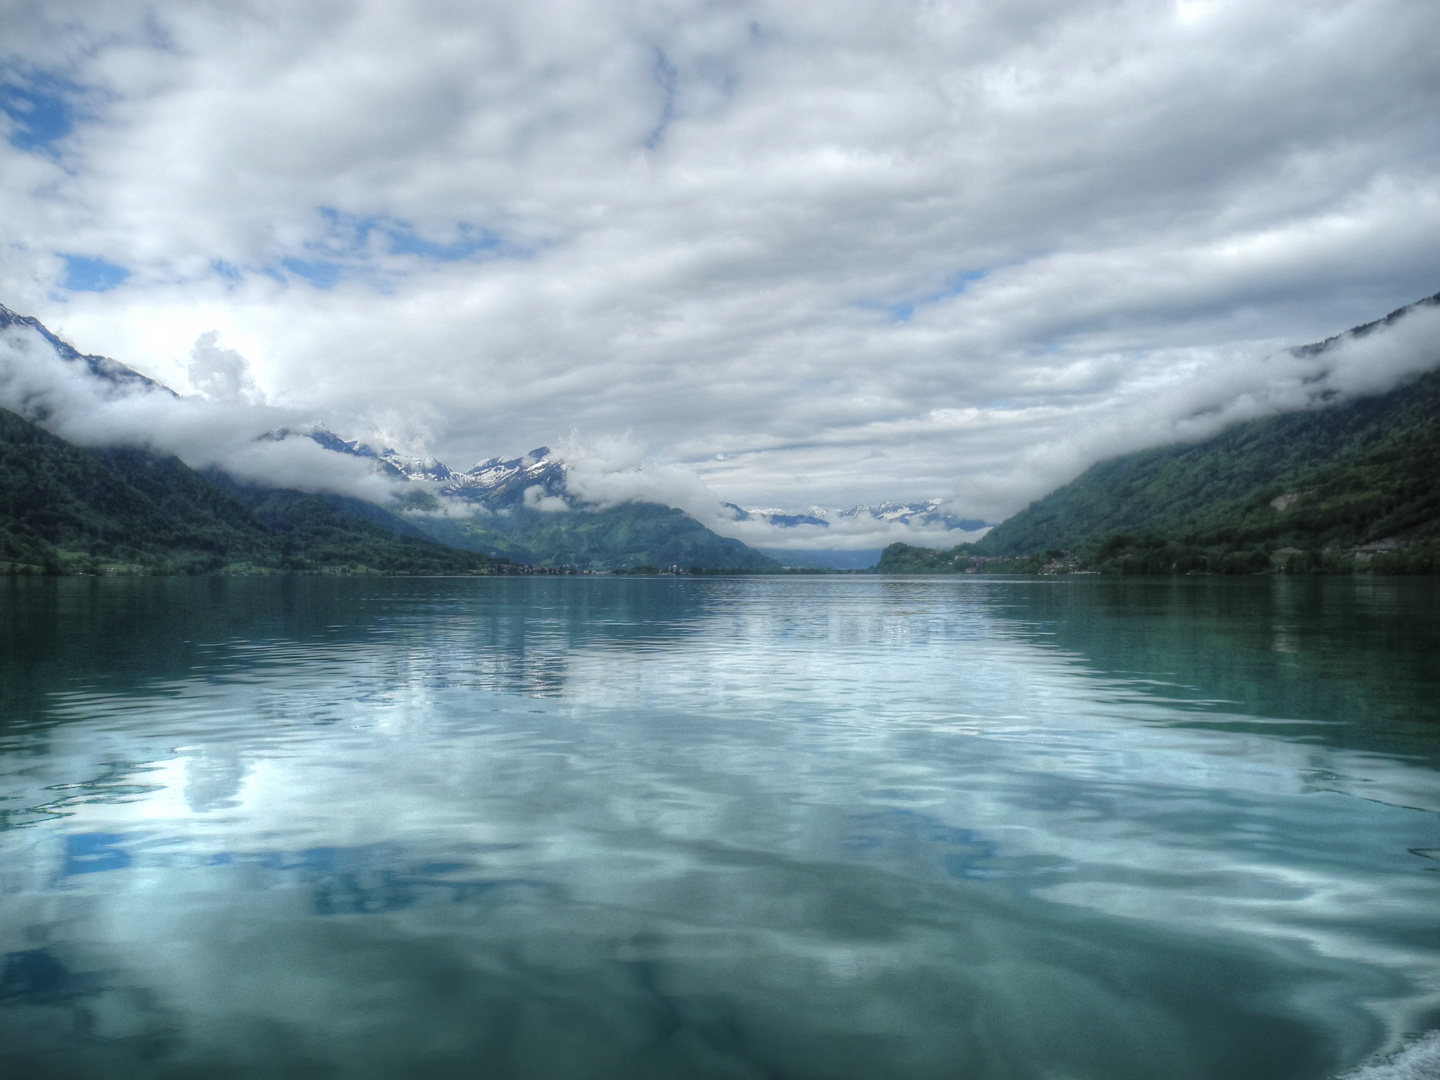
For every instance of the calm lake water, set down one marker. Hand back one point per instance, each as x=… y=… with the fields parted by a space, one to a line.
x=818 y=827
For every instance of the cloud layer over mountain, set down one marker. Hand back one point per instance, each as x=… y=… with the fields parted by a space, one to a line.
x=801 y=252
x=224 y=431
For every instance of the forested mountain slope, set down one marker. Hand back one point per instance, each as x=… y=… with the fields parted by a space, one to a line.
x=1339 y=476
x=617 y=538
x=64 y=508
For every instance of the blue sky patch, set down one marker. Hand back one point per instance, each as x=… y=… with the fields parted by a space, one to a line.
x=345 y=233
x=354 y=247
x=40 y=111
x=351 y=242
x=901 y=313
x=86 y=273
x=351 y=234
x=320 y=273
x=470 y=242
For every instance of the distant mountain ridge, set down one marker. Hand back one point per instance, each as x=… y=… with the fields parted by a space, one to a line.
x=525 y=512
x=513 y=488
x=920 y=513
x=496 y=483
x=499 y=483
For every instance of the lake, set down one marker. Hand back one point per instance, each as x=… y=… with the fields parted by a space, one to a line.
x=779 y=827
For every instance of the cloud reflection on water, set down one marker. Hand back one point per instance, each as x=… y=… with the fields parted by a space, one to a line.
x=911 y=818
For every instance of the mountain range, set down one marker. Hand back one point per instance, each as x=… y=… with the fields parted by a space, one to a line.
x=927 y=513
x=1344 y=483
x=64 y=507
x=505 y=517
x=500 y=484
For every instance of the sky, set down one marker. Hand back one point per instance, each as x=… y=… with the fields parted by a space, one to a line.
x=780 y=254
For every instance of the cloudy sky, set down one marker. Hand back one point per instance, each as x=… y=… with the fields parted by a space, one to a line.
x=798 y=252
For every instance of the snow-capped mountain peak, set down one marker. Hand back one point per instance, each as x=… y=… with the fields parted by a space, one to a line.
x=426 y=468
x=502 y=482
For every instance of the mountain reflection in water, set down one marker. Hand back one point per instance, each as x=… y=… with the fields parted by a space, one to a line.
x=808 y=827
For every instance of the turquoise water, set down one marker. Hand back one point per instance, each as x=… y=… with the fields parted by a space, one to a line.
x=769 y=827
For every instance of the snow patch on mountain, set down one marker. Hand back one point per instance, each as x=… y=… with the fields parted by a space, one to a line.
x=928 y=514
x=499 y=483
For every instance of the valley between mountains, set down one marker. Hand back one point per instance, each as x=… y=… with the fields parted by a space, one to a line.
x=1346 y=483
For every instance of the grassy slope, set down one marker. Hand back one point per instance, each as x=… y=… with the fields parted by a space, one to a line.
x=906 y=559
x=630 y=535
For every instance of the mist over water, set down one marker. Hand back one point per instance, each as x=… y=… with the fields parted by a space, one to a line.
x=771 y=827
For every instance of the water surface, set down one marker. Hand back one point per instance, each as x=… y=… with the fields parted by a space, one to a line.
x=768 y=827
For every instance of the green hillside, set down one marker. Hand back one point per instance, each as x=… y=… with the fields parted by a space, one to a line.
x=470 y=534
x=331 y=530
x=1332 y=479
x=65 y=509
x=615 y=538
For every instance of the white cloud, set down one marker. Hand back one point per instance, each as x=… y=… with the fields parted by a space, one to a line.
x=610 y=470
x=226 y=434
x=863 y=250
x=536 y=499
x=222 y=374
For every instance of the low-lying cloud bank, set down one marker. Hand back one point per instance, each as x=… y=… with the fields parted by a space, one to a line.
x=606 y=472
x=227 y=426
x=228 y=432
x=859 y=533
x=990 y=462
x=1186 y=396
